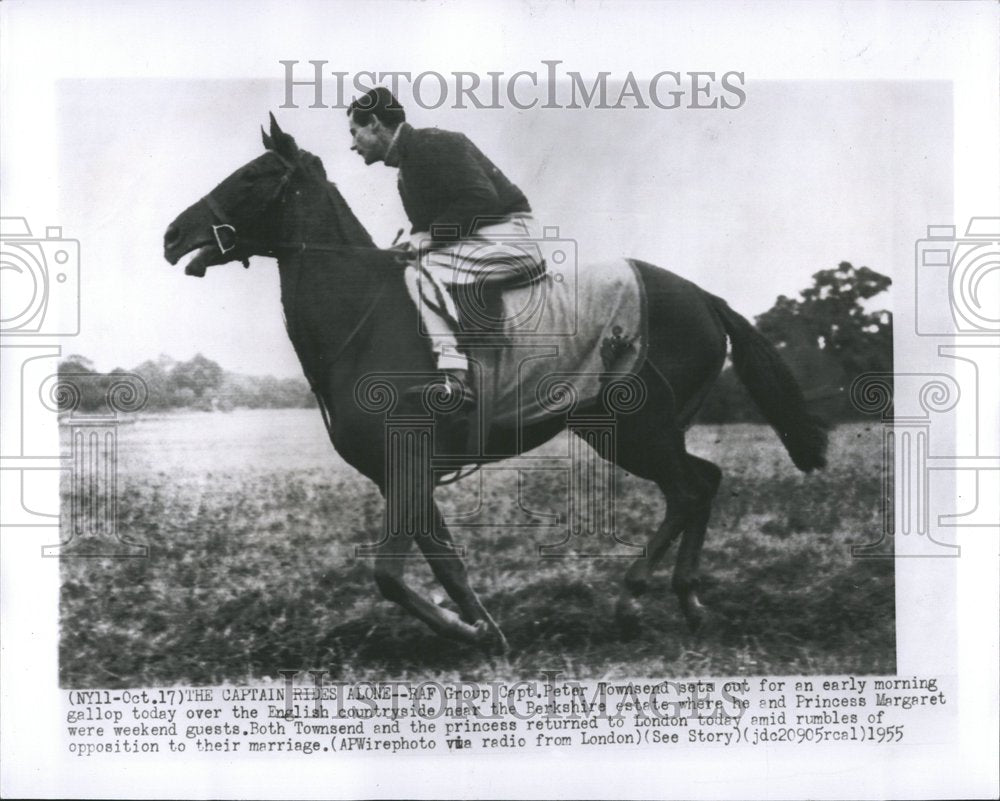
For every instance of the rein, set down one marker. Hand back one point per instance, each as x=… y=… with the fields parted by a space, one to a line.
x=354 y=331
x=324 y=409
x=224 y=229
x=256 y=247
x=227 y=239
x=220 y=214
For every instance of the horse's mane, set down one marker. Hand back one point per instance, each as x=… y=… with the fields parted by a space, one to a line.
x=354 y=232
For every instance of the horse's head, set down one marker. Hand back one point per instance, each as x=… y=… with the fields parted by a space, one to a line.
x=240 y=217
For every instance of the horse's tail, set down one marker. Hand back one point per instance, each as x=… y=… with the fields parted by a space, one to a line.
x=774 y=389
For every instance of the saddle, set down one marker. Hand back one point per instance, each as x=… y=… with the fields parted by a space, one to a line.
x=482 y=316
x=552 y=341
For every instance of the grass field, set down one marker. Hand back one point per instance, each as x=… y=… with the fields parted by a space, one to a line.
x=252 y=521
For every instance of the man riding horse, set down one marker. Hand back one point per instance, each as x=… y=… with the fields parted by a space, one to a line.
x=343 y=303
x=469 y=223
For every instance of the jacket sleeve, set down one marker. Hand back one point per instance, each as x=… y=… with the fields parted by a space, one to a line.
x=448 y=170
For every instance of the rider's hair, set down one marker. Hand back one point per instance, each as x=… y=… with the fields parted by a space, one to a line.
x=379 y=103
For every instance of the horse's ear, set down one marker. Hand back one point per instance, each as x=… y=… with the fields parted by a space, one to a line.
x=280 y=141
x=267 y=140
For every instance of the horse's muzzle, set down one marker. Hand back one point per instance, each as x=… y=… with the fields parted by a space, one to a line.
x=171 y=239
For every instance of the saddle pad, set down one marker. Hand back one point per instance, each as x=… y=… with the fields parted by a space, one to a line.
x=565 y=338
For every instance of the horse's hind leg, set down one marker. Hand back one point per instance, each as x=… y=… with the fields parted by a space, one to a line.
x=686 y=580
x=639 y=574
x=651 y=445
x=687 y=516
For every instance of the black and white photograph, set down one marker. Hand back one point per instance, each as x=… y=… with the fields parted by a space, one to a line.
x=489 y=381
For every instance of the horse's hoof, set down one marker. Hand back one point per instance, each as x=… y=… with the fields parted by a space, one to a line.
x=490 y=638
x=695 y=614
x=628 y=618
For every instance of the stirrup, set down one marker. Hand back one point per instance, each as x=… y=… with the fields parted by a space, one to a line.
x=456 y=393
x=444 y=393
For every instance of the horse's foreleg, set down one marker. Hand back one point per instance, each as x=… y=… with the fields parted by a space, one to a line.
x=390 y=564
x=448 y=567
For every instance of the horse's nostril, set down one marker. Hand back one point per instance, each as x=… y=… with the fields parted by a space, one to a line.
x=173 y=234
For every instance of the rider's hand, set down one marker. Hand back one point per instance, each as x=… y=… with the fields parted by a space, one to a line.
x=421 y=241
x=403 y=253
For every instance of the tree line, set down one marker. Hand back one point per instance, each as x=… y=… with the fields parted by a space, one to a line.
x=198 y=384
x=828 y=336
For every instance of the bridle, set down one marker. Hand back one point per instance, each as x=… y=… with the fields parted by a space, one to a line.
x=224 y=224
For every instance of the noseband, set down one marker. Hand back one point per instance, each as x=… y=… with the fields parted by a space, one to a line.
x=224 y=228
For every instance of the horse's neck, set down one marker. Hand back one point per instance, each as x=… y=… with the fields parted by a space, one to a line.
x=328 y=282
x=327 y=229
x=330 y=276
x=353 y=232
x=345 y=296
x=335 y=215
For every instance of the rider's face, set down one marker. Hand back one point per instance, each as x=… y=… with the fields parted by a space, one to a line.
x=368 y=140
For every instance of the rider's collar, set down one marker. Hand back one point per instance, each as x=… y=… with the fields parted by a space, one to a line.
x=392 y=153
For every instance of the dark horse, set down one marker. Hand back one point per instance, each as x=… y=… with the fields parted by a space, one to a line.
x=345 y=303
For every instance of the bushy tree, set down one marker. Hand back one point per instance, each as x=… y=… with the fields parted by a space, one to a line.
x=830 y=318
x=157 y=379
x=89 y=386
x=198 y=374
x=828 y=336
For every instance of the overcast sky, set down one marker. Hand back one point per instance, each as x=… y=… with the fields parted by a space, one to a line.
x=748 y=203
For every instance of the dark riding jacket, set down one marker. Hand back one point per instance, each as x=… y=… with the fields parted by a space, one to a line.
x=446 y=181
